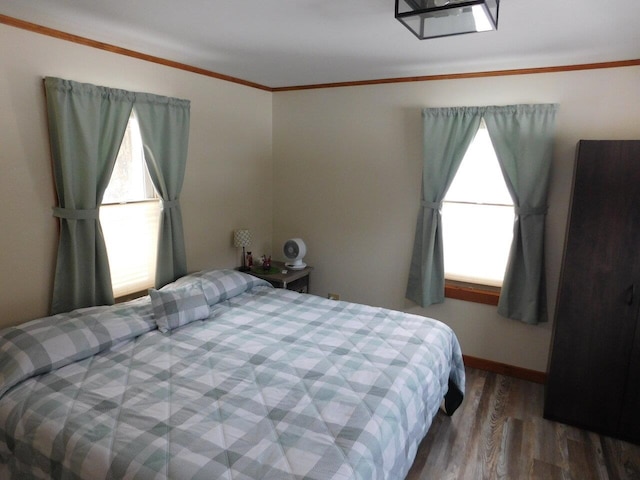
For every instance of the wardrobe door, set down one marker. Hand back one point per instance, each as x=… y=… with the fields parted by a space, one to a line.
x=595 y=321
x=630 y=419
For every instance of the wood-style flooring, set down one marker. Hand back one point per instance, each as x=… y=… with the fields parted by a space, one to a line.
x=499 y=433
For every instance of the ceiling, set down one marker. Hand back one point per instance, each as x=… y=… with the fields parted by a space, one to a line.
x=283 y=43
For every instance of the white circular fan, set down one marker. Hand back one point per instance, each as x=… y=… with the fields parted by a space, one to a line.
x=295 y=250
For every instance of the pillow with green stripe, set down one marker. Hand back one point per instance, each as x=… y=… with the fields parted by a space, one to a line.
x=49 y=343
x=175 y=307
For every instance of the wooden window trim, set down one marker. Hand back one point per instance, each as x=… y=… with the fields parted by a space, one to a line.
x=131 y=296
x=472 y=292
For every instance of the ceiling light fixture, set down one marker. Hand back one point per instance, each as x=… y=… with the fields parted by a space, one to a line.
x=442 y=18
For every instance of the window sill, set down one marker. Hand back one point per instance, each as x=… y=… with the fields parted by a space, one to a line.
x=471 y=292
x=131 y=296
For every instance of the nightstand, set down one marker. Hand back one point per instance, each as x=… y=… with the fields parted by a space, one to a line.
x=296 y=280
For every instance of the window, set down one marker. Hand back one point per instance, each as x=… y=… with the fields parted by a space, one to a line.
x=477 y=217
x=130 y=217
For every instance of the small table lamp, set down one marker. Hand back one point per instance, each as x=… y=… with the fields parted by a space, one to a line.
x=242 y=238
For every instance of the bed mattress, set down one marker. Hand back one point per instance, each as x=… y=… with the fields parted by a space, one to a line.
x=272 y=384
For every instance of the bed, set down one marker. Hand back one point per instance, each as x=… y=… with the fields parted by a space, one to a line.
x=219 y=375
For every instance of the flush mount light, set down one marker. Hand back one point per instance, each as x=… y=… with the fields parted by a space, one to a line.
x=442 y=18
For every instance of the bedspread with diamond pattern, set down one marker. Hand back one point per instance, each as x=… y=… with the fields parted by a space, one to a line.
x=274 y=385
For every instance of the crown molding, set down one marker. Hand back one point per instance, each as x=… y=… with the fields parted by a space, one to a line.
x=51 y=32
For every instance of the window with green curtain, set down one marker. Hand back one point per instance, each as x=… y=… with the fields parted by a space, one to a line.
x=522 y=136
x=86 y=127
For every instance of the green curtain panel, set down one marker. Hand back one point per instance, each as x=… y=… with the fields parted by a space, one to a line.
x=164 y=126
x=86 y=127
x=523 y=137
x=448 y=132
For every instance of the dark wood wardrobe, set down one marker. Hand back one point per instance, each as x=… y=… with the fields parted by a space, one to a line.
x=594 y=371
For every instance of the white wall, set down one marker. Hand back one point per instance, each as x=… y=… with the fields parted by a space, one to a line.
x=347 y=178
x=344 y=174
x=227 y=181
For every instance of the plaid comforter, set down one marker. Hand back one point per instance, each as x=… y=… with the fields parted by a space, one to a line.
x=274 y=384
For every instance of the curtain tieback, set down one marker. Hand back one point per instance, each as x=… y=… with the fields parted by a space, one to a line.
x=432 y=205
x=522 y=211
x=76 y=213
x=167 y=204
